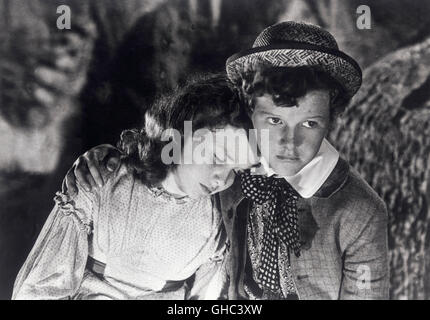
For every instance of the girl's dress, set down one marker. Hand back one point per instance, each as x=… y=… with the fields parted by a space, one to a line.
x=126 y=241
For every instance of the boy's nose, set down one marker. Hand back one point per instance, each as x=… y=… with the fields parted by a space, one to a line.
x=287 y=138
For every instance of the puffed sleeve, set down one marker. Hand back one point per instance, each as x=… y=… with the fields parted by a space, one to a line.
x=55 y=266
x=210 y=280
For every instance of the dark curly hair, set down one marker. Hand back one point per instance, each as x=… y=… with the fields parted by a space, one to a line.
x=287 y=84
x=208 y=101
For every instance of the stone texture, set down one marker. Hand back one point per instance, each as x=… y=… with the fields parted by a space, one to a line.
x=385 y=134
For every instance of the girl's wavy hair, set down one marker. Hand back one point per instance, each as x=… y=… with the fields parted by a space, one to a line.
x=287 y=84
x=208 y=101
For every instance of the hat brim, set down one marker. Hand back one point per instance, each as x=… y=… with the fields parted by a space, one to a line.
x=337 y=64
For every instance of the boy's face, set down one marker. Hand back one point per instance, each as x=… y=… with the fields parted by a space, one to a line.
x=295 y=133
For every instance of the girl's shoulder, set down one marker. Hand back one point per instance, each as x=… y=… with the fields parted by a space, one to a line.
x=121 y=181
x=121 y=173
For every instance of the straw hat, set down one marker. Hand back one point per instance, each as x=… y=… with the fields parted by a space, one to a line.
x=292 y=44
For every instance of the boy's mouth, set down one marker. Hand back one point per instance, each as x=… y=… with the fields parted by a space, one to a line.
x=287 y=158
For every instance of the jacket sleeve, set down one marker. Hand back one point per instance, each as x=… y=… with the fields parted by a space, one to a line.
x=366 y=269
x=55 y=266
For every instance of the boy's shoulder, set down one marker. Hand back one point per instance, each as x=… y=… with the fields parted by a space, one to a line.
x=353 y=191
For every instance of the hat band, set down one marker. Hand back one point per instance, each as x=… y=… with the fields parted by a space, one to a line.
x=296 y=45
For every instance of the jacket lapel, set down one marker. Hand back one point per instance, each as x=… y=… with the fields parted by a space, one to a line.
x=235 y=210
x=335 y=180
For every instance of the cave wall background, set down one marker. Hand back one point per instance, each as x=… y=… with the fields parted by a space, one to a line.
x=120 y=54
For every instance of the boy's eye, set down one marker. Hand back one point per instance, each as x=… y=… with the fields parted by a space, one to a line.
x=274 y=121
x=310 y=124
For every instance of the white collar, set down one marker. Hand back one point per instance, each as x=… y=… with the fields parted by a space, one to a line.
x=312 y=176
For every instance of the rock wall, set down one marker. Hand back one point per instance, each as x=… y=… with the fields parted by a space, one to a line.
x=385 y=134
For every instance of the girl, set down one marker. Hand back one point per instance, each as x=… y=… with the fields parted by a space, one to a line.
x=152 y=231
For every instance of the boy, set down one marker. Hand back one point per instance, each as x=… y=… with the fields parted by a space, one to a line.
x=304 y=225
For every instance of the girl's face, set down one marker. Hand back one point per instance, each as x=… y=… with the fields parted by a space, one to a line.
x=295 y=133
x=221 y=160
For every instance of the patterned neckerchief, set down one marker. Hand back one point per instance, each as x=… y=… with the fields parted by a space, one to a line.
x=280 y=225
